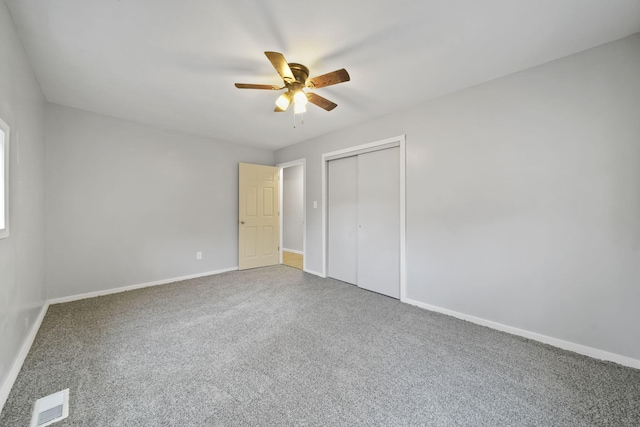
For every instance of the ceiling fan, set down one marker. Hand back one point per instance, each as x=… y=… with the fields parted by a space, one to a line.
x=296 y=78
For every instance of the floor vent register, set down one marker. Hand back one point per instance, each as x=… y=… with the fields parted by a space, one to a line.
x=50 y=409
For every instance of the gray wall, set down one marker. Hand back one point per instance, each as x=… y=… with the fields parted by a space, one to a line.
x=130 y=204
x=292 y=208
x=523 y=197
x=22 y=257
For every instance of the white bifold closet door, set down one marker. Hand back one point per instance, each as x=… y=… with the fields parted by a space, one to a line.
x=343 y=219
x=364 y=220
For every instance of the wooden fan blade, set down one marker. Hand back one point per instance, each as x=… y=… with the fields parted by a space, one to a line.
x=329 y=79
x=321 y=102
x=252 y=86
x=281 y=66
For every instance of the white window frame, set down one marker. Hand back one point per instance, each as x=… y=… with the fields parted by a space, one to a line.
x=4 y=179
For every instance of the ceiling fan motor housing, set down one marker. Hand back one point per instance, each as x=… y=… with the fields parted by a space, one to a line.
x=301 y=74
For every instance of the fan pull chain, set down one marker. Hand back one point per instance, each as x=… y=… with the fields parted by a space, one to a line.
x=301 y=119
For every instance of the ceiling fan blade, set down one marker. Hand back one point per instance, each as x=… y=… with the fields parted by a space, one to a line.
x=321 y=102
x=279 y=110
x=252 y=86
x=281 y=66
x=329 y=79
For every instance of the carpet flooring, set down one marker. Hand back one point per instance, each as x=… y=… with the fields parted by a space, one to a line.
x=276 y=346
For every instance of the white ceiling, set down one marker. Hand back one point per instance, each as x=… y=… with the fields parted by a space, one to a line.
x=173 y=63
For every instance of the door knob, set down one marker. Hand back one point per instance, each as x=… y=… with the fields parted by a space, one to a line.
x=241 y=222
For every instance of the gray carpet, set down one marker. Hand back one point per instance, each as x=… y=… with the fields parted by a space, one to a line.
x=277 y=346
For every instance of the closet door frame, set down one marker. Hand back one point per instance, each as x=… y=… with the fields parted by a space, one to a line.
x=397 y=141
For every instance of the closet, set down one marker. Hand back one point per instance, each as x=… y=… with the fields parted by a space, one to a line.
x=363 y=197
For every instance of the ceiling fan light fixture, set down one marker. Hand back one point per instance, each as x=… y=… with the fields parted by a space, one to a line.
x=284 y=101
x=300 y=98
x=299 y=108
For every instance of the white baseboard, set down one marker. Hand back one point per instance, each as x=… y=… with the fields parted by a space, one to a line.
x=315 y=273
x=566 y=345
x=141 y=285
x=293 y=251
x=22 y=355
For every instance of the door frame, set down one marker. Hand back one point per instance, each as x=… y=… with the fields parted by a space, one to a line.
x=303 y=163
x=396 y=141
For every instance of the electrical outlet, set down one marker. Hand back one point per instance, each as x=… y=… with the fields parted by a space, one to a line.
x=198 y=255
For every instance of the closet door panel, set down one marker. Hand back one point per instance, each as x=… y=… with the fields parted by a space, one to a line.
x=378 y=207
x=343 y=219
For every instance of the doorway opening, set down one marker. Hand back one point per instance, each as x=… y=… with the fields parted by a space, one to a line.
x=293 y=213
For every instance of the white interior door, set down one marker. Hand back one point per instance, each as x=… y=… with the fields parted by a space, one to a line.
x=343 y=219
x=379 y=221
x=258 y=203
